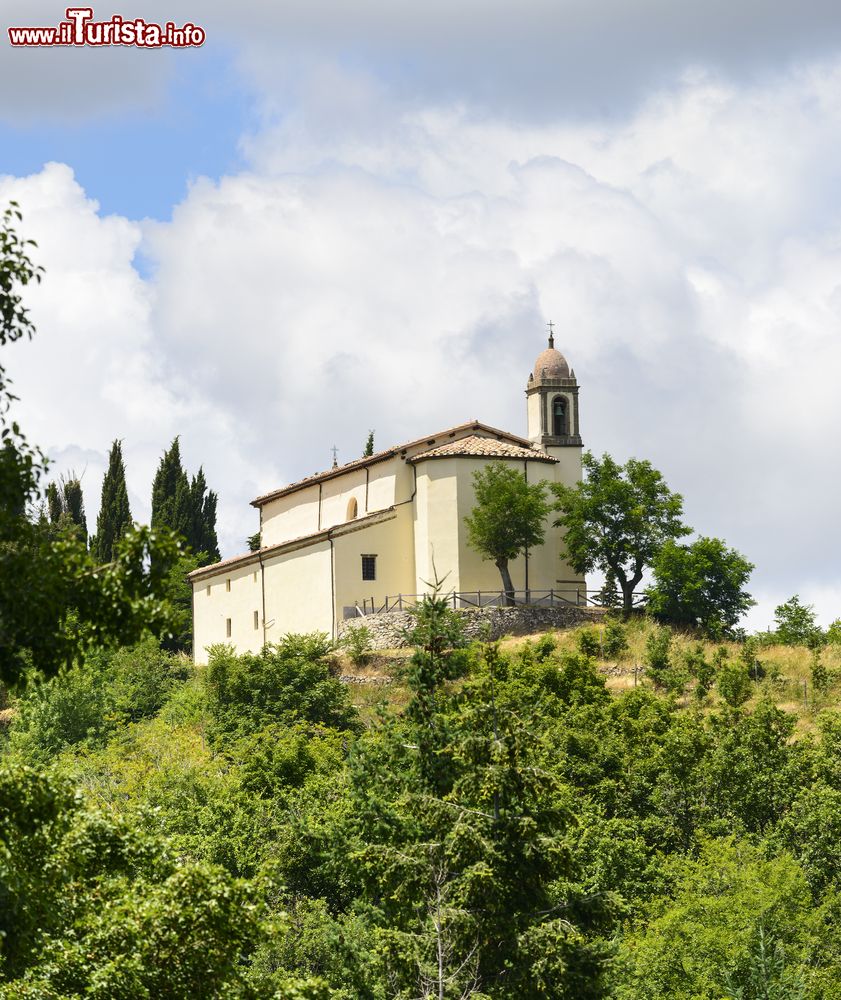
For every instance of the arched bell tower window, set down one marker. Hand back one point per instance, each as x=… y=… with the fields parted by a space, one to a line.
x=352 y=509
x=559 y=416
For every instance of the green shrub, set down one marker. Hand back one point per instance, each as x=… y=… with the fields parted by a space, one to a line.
x=357 y=644
x=286 y=683
x=615 y=638
x=734 y=684
x=87 y=702
x=544 y=647
x=748 y=657
x=588 y=642
x=699 y=667
x=820 y=675
x=658 y=660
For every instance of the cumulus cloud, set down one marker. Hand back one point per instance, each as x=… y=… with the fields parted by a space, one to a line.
x=392 y=267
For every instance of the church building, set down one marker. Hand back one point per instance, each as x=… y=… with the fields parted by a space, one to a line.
x=360 y=534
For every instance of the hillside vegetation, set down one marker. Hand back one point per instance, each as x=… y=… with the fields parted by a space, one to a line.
x=520 y=820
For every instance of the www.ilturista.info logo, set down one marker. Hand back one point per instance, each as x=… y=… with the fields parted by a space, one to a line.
x=81 y=29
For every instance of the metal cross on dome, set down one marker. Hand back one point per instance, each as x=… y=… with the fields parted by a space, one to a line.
x=551 y=326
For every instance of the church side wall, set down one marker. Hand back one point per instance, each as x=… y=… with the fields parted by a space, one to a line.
x=214 y=604
x=299 y=594
x=392 y=543
x=298 y=514
x=289 y=517
x=389 y=483
x=336 y=495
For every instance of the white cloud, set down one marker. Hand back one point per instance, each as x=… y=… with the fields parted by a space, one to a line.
x=393 y=268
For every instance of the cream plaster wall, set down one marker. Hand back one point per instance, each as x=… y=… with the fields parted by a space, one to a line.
x=392 y=542
x=239 y=604
x=336 y=495
x=325 y=505
x=289 y=517
x=299 y=591
x=436 y=524
x=533 y=409
x=446 y=496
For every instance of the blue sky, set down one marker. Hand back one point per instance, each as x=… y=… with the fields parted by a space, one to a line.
x=336 y=217
x=139 y=162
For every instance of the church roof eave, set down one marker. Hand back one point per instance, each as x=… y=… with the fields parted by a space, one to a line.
x=302 y=541
x=382 y=456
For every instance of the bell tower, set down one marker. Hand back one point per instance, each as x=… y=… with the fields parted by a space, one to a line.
x=552 y=401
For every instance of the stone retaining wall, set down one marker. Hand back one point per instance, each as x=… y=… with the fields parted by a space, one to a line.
x=388 y=629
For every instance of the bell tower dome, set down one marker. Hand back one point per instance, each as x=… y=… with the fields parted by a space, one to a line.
x=552 y=401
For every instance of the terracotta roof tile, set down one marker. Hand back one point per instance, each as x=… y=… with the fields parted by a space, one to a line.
x=475 y=446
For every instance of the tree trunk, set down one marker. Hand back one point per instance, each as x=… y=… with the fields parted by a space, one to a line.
x=507 y=585
x=628 y=592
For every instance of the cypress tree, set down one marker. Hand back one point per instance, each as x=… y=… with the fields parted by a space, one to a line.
x=369 y=445
x=114 y=512
x=66 y=505
x=202 y=539
x=171 y=501
x=188 y=507
x=54 y=509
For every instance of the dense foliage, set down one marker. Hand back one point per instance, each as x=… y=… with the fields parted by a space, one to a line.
x=498 y=825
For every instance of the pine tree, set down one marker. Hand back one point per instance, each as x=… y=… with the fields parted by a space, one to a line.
x=369 y=445
x=114 y=513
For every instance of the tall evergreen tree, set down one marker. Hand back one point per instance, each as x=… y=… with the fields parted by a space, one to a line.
x=369 y=445
x=66 y=505
x=171 y=506
x=186 y=506
x=114 y=516
x=203 y=516
x=54 y=510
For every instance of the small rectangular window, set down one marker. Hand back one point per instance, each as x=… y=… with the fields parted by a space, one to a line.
x=228 y=627
x=256 y=619
x=369 y=567
x=255 y=575
x=228 y=584
x=208 y=590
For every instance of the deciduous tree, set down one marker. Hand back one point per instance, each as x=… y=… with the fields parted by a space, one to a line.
x=509 y=517
x=701 y=585
x=618 y=519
